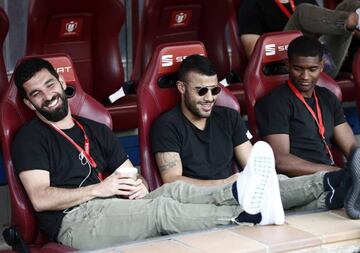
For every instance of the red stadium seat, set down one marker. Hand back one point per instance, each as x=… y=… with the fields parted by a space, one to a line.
x=346 y=83
x=89 y=33
x=270 y=55
x=331 y=4
x=157 y=93
x=356 y=73
x=4 y=28
x=14 y=114
x=239 y=60
x=238 y=56
x=168 y=21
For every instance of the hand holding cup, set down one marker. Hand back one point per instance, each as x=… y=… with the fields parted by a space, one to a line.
x=127 y=172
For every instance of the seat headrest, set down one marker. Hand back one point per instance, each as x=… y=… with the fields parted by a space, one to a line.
x=171 y=55
x=184 y=20
x=272 y=47
x=160 y=76
x=80 y=103
x=63 y=66
x=268 y=62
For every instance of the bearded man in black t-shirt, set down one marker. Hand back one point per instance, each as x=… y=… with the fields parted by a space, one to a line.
x=300 y=120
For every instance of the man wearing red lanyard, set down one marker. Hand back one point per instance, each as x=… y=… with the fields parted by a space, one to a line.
x=58 y=157
x=336 y=27
x=300 y=120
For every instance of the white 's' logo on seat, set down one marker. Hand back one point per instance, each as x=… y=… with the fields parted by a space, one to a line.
x=167 y=60
x=270 y=49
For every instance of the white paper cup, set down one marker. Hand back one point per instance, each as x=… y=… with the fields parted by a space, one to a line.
x=128 y=172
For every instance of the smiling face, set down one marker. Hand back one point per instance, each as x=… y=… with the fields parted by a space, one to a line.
x=195 y=106
x=304 y=72
x=46 y=95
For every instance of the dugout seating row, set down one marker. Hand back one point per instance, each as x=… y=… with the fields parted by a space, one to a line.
x=158 y=93
x=14 y=114
x=89 y=34
x=74 y=28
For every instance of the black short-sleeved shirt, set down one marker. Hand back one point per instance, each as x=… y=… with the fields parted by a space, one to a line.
x=281 y=112
x=205 y=154
x=262 y=16
x=37 y=146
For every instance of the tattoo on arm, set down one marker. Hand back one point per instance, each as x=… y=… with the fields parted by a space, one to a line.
x=167 y=161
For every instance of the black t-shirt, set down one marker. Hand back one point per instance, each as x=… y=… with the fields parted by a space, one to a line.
x=281 y=112
x=205 y=154
x=262 y=16
x=37 y=146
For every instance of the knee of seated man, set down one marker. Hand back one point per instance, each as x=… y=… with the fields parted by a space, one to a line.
x=303 y=8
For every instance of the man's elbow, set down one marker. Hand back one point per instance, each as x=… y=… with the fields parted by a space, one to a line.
x=39 y=202
x=354 y=146
x=280 y=165
x=39 y=206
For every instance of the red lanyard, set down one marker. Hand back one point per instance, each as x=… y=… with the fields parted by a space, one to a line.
x=283 y=8
x=318 y=118
x=84 y=153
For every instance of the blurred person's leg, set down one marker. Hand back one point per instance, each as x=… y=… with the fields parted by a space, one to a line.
x=330 y=24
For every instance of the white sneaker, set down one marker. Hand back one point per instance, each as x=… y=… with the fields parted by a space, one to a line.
x=254 y=179
x=272 y=211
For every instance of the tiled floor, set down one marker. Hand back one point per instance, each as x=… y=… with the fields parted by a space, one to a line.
x=326 y=232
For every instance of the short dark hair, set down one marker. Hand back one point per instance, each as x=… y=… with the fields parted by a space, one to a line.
x=27 y=69
x=195 y=63
x=306 y=46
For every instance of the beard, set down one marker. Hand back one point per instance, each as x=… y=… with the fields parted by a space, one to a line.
x=56 y=114
x=191 y=105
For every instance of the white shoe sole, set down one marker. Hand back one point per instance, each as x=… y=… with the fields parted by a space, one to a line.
x=272 y=211
x=253 y=180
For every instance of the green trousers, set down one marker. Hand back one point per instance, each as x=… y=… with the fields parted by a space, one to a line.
x=172 y=208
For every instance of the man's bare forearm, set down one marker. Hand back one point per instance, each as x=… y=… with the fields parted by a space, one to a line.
x=292 y=165
x=55 y=198
x=170 y=167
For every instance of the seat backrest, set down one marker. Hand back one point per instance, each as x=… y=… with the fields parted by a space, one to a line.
x=88 y=31
x=14 y=114
x=238 y=57
x=356 y=74
x=154 y=100
x=167 y=21
x=4 y=28
x=267 y=69
x=331 y=4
